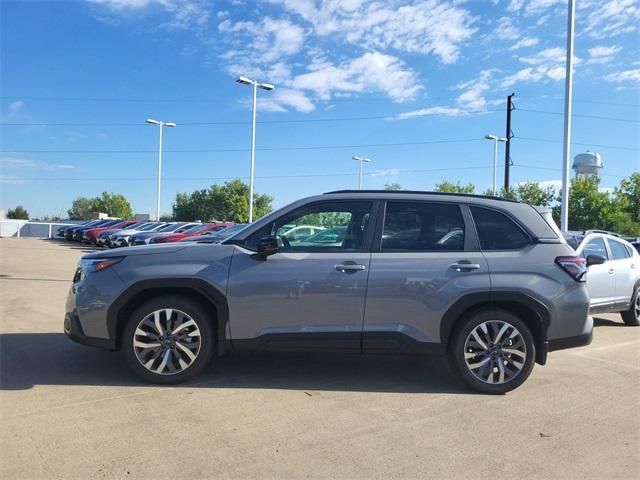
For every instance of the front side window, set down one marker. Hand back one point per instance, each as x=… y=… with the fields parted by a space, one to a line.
x=595 y=247
x=496 y=231
x=338 y=226
x=618 y=250
x=422 y=227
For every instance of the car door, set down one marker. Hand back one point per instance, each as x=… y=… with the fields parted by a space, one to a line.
x=306 y=296
x=423 y=262
x=625 y=271
x=600 y=278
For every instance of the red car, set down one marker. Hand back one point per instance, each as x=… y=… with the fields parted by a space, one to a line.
x=90 y=235
x=192 y=232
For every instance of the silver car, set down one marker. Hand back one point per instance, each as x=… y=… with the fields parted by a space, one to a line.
x=613 y=284
x=486 y=281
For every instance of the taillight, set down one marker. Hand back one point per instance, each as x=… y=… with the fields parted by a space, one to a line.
x=576 y=267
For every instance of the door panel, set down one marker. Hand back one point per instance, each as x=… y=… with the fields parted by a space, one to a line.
x=409 y=293
x=625 y=271
x=600 y=278
x=298 y=293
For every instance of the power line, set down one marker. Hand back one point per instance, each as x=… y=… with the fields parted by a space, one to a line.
x=597 y=117
x=309 y=175
x=230 y=150
x=594 y=145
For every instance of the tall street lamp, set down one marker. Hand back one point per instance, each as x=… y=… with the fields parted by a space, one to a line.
x=160 y=124
x=361 y=160
x=495 y=139
x=263 y=86
x=568 y=98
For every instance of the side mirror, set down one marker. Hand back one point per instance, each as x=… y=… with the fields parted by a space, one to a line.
x=594 y=260
x=266 y=246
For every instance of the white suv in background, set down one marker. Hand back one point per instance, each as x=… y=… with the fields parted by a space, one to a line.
x=614 y=285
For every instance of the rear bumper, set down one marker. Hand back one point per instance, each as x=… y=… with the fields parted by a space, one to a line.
x=73 y=329
x=570 y=342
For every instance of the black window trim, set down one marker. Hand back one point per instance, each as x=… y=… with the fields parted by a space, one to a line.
x=530 y=236
x=366 y=241
x=469 y=241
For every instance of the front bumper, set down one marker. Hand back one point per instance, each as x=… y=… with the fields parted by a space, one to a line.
x=73 y=329
x=570 y=342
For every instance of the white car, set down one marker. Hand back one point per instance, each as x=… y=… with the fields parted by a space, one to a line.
x=614 y=285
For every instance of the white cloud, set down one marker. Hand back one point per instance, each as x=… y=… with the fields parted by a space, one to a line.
x=602 y=54
x=11 y=180
x=15 y=163
x=15 y=106
x=190 y=15
x=624 y=76
x=285 y=97
x=545 y=65
x=372 y=71
x=435 y=111
x=427 y=27
x=531 y=7
x=524 y=42
x=472 y=97
x=612 y=17
x=505 y=29
x=386 y=173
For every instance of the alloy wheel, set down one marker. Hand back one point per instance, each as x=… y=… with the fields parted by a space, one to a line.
x=167 y=341
x=636 y=306
x=495 y=352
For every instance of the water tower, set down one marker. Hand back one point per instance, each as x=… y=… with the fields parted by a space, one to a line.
x=586 y=164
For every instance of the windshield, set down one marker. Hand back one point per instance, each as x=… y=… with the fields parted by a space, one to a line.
x=227 y=232
x=573 y=240
x=148 y=226
x=171 y=227
x=195 y=229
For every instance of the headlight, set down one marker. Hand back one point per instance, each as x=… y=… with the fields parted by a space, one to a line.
x=97 y=264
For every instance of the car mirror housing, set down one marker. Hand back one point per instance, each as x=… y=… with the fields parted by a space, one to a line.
x=266 y=246
x=594 y=260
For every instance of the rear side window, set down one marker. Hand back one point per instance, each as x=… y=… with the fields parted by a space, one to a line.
x=422 y=227
x=618 y=250
x=496 y=231
x=595 y=247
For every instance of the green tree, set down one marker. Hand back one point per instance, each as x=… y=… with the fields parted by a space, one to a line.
x=18 y=213
x=392 y=186
x=113 y=204
x=533 y=194
x=81 y=209
x=228 y=202
x=627 y=196
x=588 y=207
x=448 y=187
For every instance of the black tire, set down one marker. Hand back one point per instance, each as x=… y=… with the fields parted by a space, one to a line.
x=631 y=317
x=180 y=304
x=458 y=346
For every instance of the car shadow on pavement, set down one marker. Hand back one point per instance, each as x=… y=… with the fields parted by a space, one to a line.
x=605 y=322
x=30 y=359
x=83 y=247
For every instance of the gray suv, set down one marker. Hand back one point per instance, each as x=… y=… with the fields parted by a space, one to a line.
x=486 y=281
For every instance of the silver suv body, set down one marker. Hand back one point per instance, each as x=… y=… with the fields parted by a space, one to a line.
x=486 y=281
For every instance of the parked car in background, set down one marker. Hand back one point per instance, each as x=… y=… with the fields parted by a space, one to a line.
x=217 y=236
x=613 y=283
x=102 y=238
x=173 y=227
x=297 y=233
x=495 y=303
x=78 y=234
x=70 y=233
x=190 y=232
x=121 y=238
x=91 y=235
x=61 y=230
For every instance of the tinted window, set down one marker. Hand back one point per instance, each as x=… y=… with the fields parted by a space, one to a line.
x=496 y=231
x=595 y=247
x=339 y=226
x=422 y=227
x=618 y=250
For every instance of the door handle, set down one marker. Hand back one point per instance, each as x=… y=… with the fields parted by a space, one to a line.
x=461 y=266
x=611 y=271
x=350 y=267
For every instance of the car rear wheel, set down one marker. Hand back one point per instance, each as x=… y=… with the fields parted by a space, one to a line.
x=168 y=339
x=492 y=351
x=632 y=316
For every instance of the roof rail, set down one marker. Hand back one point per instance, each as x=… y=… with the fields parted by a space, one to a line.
x=607 y=232
x=421 y=192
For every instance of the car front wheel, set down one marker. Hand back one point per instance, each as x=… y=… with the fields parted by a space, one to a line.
x=632 y=316
x=492 y=351
x=168 y=339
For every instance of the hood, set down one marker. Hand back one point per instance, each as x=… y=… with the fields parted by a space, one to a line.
x=143 y=235
x=135 y=251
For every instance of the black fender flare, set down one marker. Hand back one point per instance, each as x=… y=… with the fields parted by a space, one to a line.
x=196 y=284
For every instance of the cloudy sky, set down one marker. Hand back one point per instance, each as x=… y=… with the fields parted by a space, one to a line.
x=414 y=85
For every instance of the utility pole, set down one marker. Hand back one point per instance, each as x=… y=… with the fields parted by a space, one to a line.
x=568 y=94
x=507 y=150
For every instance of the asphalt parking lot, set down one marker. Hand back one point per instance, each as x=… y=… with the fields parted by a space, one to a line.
x=69 y=411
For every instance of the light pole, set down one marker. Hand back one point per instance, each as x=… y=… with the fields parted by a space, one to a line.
x=568 y=94
x=263 y=86
x=160 y=124
x=361 y=160
x=495 y=139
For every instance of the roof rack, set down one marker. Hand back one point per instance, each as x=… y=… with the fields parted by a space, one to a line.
x=607 y=232
x=421 y=192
